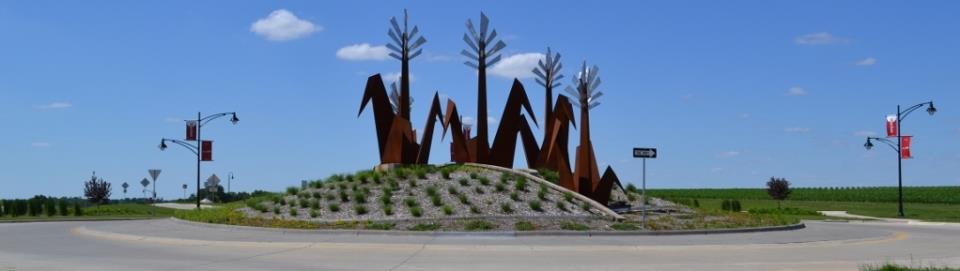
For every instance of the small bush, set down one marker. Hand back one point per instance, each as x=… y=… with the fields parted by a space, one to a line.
x=359 y=197
x=463 y=199
x=696 y=203
x=735 y=205
x=562 y=206
x=515 y=196
x=377 y=178
x=388 y=210
x=394 y=184
x=77 y=211
x=314 y=213
x=50 y=207
x=283 y=201
x=344 y=197
x=431 y=191
x=412 y=182
x=478 y=190
x=379 y=226
x=524 y=226
x=330 y=196
x=535 y=205
x=542 y=195
x=521 y=184
x=506 y=208
x=385 y=200
x=464 y=182
x=484 y=181
x=452 y=190
x=475 y=176
x=550 y=176
x=425 y=227
x=334 y=207
x=445 y=173
x=304 y=203
x=276 y=210
x=293 y=211
x=568 y=196
x=62 y=206
x=436 y=200
x=447 y=210
x=293 y=190
x=631 y=197
x=416 y=211
x=625 y=226
x=585 y=206
x=411 y=202
x=573 y=226
x=314 y=204
x=360 y=209
x=478 y=225
x=500 y=187
x=474 y=210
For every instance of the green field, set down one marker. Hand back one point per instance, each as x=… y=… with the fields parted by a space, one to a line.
x=924 y=203
x=104 y=212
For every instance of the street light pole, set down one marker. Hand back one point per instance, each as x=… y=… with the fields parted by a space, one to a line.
x=898 y=147
x=198 y=149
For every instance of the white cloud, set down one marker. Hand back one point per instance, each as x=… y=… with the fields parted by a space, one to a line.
x=55 y=105
x=867 y=62
x=363 y=51
x=796 y=130
x=516 y=66
x=729 y=154
x=796 y=91
x=864 y=133
x=41 y=144
x=819 y=38
x=467 y=120
x=282 y=25
x=491 y=120
x=391 y=77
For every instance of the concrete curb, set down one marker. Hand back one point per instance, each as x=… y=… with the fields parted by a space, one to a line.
x=500 y=233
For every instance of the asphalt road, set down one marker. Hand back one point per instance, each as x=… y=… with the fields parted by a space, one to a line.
x=171 y=245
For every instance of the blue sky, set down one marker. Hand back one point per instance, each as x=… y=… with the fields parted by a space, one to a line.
x=732 y=93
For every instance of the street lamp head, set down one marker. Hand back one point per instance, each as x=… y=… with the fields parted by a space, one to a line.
x=234 y=119
x=868 y=145
x=931 y=110
x=163 y=145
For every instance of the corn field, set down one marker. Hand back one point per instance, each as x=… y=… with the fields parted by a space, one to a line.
x=928 y=194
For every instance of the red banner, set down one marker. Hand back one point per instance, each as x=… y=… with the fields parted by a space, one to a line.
x=905 y=147
x=891 y=126
x=206 y=153
x=191 y=130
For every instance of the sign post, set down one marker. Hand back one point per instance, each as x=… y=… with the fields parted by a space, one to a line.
x=154 y=173
x=644 y=153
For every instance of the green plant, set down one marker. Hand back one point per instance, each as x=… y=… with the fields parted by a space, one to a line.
x=436 y=200
x=452 y=190
x=412 y=182
x=585 y=206
x=445 y=173
x=484 y=181
x=344 y=197
x=573 y=226
x=631 y=197
x=394 y=184
x=524 y=226
x=333 y=207
x=778 y=189
x=359 y=197
x=463 y=199
x=379 y=226
x=276 y=210
x=96 y=190
x=625 y=226
x=506 y=208
x=293 y=190
x=314 y=213
x=360 y=209
x=521 y=184
x=515 y=196
x=283 y=201
x=411 y=202
x=542 y=195
x=304 y=203
x=388 y=210
x=77 y=211
x=50 y=207
x=562 y=206
x=478 y=190
x=386 y=200
x=474 y=210
x=416 y=211
x=478 y=225
x=447 y=210
x=535 y=205
x=293 y=211
x=330 y=196
x=316 y=195
x=474 y=175
x=314 y=204
x=568 y=196
x=425 y=227
x=500 y=187
x=549 y=175
x=464 y=182
x=431 y=191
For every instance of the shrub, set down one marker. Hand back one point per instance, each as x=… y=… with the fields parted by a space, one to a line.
x=385 y=200
x=524 y=226
x=445 y=173
x=447 y=210
x=735 y=205
x=631 y=197
x=521 y=184
x=359 y=197
x=293 y=211
x=549 y=175
x=360 y=209
x=35 y=207
x=542 y=195
x=334 y=207
x=484 y=181
x=425 y=227
x=475 y=176
x=568 y=196
x=631 y=188
x=412 y=182
x=276 y=210
x=474 y=210
x=96 y=190
x=77 y=211
x=411 y=202
x=316 y=195
x=50 y=207
x=330 y=196
x=625 y=226
x=535 y=205
x=416 y=211
x=436 y=200
x=304 y=203
x=431 y=191
x=344 y=197
x=421 y=173
x=696 y=203
x=464 y=182
x=379 y=226
x=778 y=189
x=377 y=178
x=314 y=213
x=515 y=196
x=293 y=190
x=725 y=205
x=394 y=184
x=314 y=204
x=573 y=226
x=506 y=208
x=562 y=206
x=463 y=199
x=585 y=206
x=452 y=190
x=478 y=190
x=388 y=210
x=500 y=188
x=478 y=225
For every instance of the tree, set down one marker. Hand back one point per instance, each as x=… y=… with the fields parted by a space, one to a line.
x=96 y=190
x=62 y=206
x=778 y=189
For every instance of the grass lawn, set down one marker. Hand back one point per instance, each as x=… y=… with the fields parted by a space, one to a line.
x=922 y=211
x=104 y=212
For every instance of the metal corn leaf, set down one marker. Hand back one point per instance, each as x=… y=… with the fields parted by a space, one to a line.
x=394 y=48
x=415 y=54
x=471 y=64
x=484 y=22
x=473 y=32
x=413 y=33
x=395 y=55
x=394 y=37
x=541 y=83
x=468 y=54
x=396 y=27
x=494 y=61
x=417 y=43
x=539 y=74
x=496 y=48
x=470 y=42
x=492 y=36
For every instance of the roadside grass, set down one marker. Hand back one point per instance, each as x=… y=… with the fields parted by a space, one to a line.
x=104 y=212
x=897 y=267
x=921 y=211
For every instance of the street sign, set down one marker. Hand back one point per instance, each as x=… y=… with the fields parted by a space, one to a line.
x=154 y=173
x=145 y=182
x=212 y=183
x=125 y=185
x=644 y=152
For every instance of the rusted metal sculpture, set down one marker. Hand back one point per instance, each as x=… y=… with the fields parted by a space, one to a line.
x=586 y=175
x=479 y=52
x=395 y=134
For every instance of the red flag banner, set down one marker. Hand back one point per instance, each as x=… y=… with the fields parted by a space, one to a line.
x=891 y=126
x=905 y=147
x=207 y=150
x=191 y=130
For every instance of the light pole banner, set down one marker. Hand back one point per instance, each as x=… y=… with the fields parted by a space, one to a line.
x=905 y=147
x=891 y=125
x=207 y=150
x=191 y=130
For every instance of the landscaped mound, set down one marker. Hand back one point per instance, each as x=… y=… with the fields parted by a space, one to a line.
x=409 y=195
